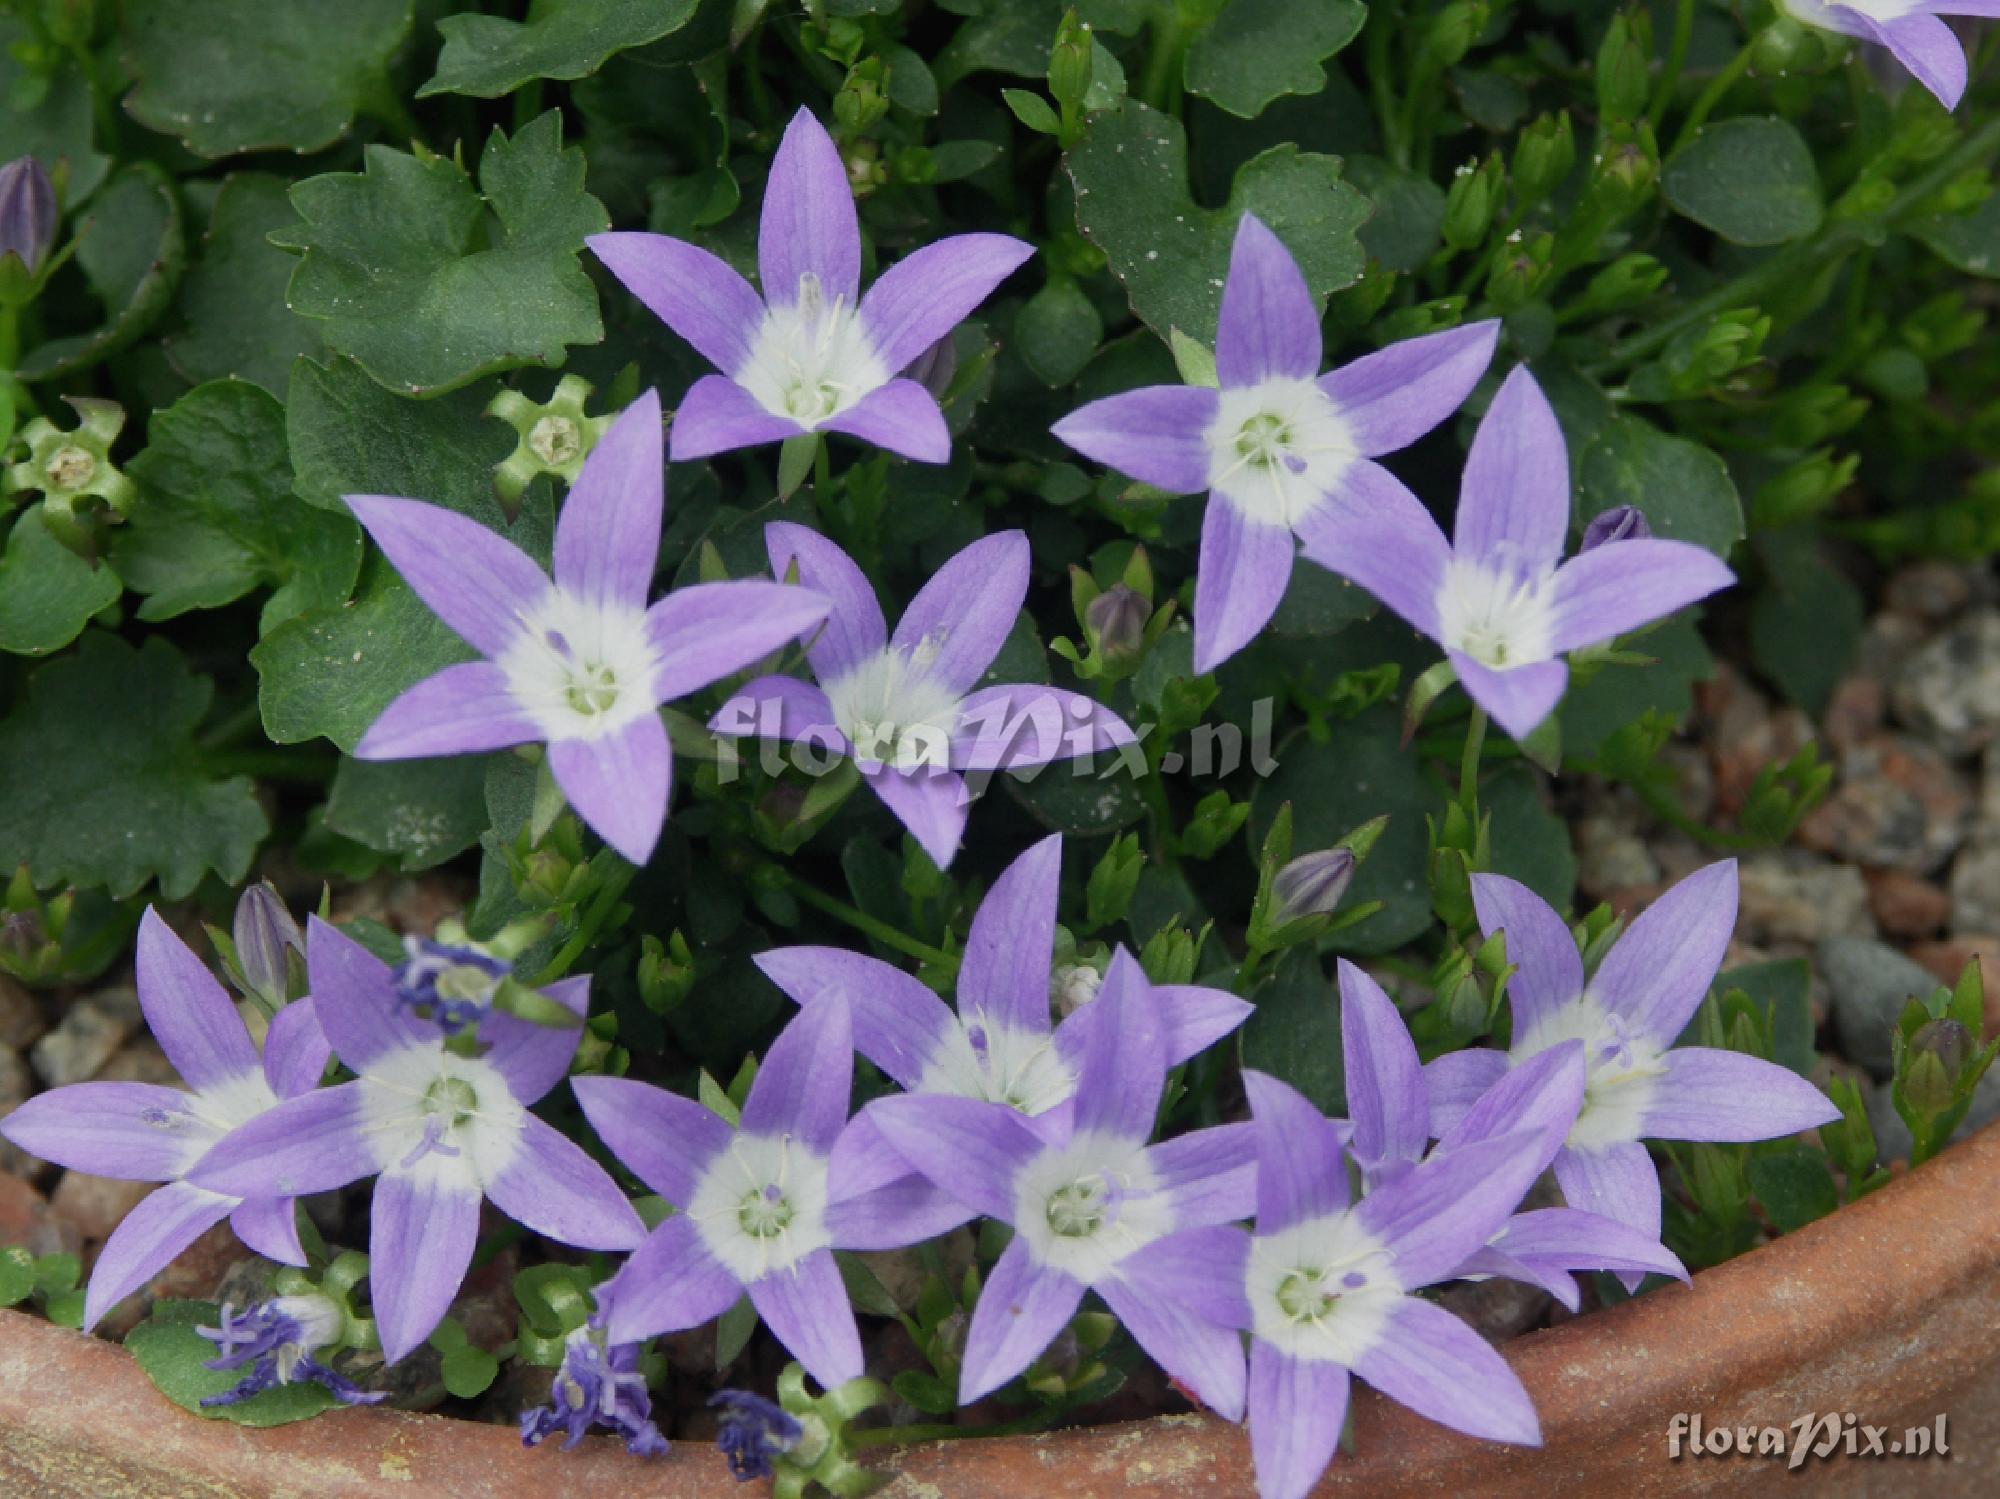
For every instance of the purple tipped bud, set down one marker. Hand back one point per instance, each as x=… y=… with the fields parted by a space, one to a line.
x=1619 y=523
x=934 y=368
x=1116 y=619
x=28 y=213
x=1311 y=885
x=599 y=1384
x=265 y=936
x=751 y=1431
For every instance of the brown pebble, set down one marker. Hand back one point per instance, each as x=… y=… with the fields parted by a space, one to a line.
x=1906 y=905
x=21 y=1020
x=95 y=1205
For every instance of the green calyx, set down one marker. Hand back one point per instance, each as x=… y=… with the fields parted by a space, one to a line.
x=83 y=489
x=556 y=435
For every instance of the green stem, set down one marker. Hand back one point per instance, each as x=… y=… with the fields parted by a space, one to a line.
x=1246 y=971
x=1835 y=239
x=1677 y=51
x=1662 y=805
x=601 y=907
x=1711 y=96
x=1388 y=112
x=862 y=922
x=943 y=1431
x=1468 y=763
x=1159 y=86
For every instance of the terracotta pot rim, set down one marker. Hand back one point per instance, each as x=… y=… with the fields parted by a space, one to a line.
x=1812 y=1321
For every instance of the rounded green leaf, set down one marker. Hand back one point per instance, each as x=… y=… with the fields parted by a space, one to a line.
x=1258 y=50
x=1750 y=180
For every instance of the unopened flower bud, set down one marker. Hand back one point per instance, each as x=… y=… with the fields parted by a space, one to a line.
x=1116 y=620
x=265 y=936
x=1619 y=523
x=1624 y=66
x=1469 y=205
x=1544 y=156
x=1070 y=62
x=1311 y=885
x=1948 y=1042
x=28 y=215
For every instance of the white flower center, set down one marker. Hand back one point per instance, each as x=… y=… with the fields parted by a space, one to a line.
x=894 y=712
x=979 y=1059
x=760 y=1206
x=1322 y=1290
x=1497 y=615
x=811 y=358
x=581 y=669
x=1276 y=449
x=555 y=440
x=1622 y=1069
x=425 y=1106
x=1085 y=1206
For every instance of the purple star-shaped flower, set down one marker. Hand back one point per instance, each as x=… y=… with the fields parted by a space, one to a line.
x=1627 y=1015
x=904 y=707
x=1912 y=30
x=1086 y=1202
x=1324 y=1288
x=143 y=1132
x=808 y=356
x=1498 y=597
x=581 y=664
x=999 y=1045
x=1280 y=447
x=437 y=1129
x=762 y=1207
x=1391 y=1120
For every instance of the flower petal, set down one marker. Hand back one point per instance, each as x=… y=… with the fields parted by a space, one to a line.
x=927 y=293
x=1208 y=1175
x=549 y=1184
x=931 y=804
x=1199 y=1268
x=708 y=631
x=1517 y=699
x=780 y=707
x=899 y=1024
x=354 y=999
x=608 y=535
x=477 y=582
x=1455 y=1081
x=1386 y=1102
x=698 y=295
x=126 y=1131
x=1543 y=1095
x=462 y=710
x=1297 y=1410
x=1931 y=51
x=719 y=416
x=1513 y=501
x=1611 y=589
x=1021 y=1308
x=1435 y=1214
x=1018 y=726
x=1440 y=1368
x=270 y=1227
x=664 y=1139
x=876 y=1201
x=1618 y=1181
x=422 y=1225
x=188 y=1011
x=1570 y=1239
x=902 y=417
x=1392 y=397
x=1377 y=534
x=1244 y=569
x=1206 y=1358
x=670 y=1282
x=803 y=1086
x=1301 y=1169
x=312 y=1143
x=854 y=630
x=619 y=783
x=970 y=1148
x=806 y=1309
x=1124 y=1067
x=1193 y=1017
x=1548 y=968
x=958 y=621
x=808 y=226
x=1003 y=975
x=1657 y=974
x=1268 y=328
x=534 y=1058
x=296 y=1050
x=1710 y=1094
x=1157 y=434
x=147 y=1240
